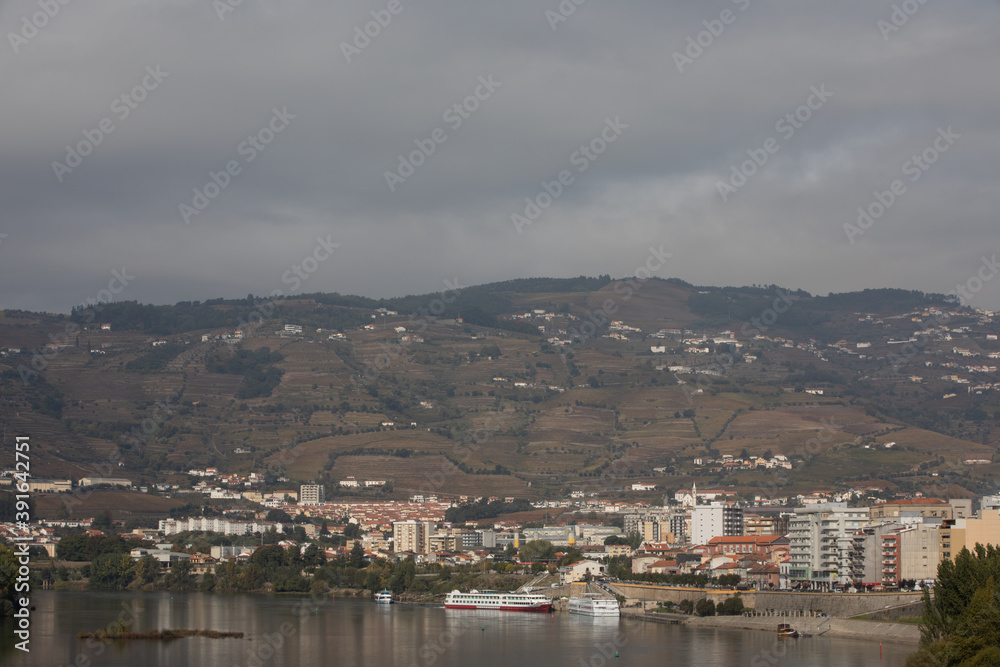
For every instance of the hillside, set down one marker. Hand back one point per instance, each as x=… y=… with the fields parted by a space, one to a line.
x=523 y=388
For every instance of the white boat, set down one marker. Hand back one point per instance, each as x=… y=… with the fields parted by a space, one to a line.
x=497 y=600
x=594 y=605
x=383 y=597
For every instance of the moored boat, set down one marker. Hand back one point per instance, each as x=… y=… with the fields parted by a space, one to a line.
x=383 y=597
x=497 y=600
x=785 y=630
x=594 y=605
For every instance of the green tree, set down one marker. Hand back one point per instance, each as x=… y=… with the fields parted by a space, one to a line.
x=278 y=515
x=357 y=557
x=269 y=557
x=181 y=577
x=207 y=583
x=147 y=570
x=704 y=607
x=961 y=623
x=730 y=606
x=112 y=571
x=8 y=580
x=373 y=581
x=538 y=550
x=314 y=556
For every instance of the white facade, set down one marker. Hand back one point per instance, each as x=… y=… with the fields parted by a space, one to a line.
x=312 y=494
x=821 y=541
x=214 y=525
x=715 y=520
x=412 y=536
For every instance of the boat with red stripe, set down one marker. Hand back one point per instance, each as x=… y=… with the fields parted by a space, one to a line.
x=497 y=601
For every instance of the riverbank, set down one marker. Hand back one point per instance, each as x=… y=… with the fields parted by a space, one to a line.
x=902 y=633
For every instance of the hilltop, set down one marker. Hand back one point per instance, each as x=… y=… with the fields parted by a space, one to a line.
x=528 y=388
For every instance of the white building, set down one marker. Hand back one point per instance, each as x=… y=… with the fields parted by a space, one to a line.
x=215 y=525
x=715 y=520
x=312 y=494
x=412 y=536
x=639 y=486
x=821 y=541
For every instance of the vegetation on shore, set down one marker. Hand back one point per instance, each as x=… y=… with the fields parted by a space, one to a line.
x=961 y=623
x=272 y=568
x=160 y=634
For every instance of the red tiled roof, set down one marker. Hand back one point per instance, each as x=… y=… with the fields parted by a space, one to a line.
x=746 y=539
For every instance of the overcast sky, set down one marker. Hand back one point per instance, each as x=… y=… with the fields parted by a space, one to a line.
x=339 y=108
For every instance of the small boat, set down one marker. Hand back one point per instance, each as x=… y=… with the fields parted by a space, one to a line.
x=785 y=630
x=383 y=597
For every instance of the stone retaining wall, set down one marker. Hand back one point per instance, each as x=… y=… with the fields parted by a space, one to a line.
x=842 y=605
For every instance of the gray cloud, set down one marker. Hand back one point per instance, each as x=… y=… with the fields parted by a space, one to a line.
x=655 y=184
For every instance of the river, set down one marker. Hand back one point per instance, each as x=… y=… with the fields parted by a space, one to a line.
x=283 y=631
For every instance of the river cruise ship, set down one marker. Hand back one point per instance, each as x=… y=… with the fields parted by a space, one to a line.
x=497 y=600
x=594 y=605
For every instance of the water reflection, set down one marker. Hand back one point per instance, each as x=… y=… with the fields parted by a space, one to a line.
x=291 y=632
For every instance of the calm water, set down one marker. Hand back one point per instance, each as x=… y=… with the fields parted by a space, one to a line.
x=360 y=633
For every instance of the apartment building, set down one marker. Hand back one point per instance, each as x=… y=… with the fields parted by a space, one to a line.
x=312 y=494
x=412 y=536
x=929 y=508
x=957 y=534
x=918 y=552
x=821 y=545
x=760 y=525
x=680 y=527
x=650 y=527
x=715 y=520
